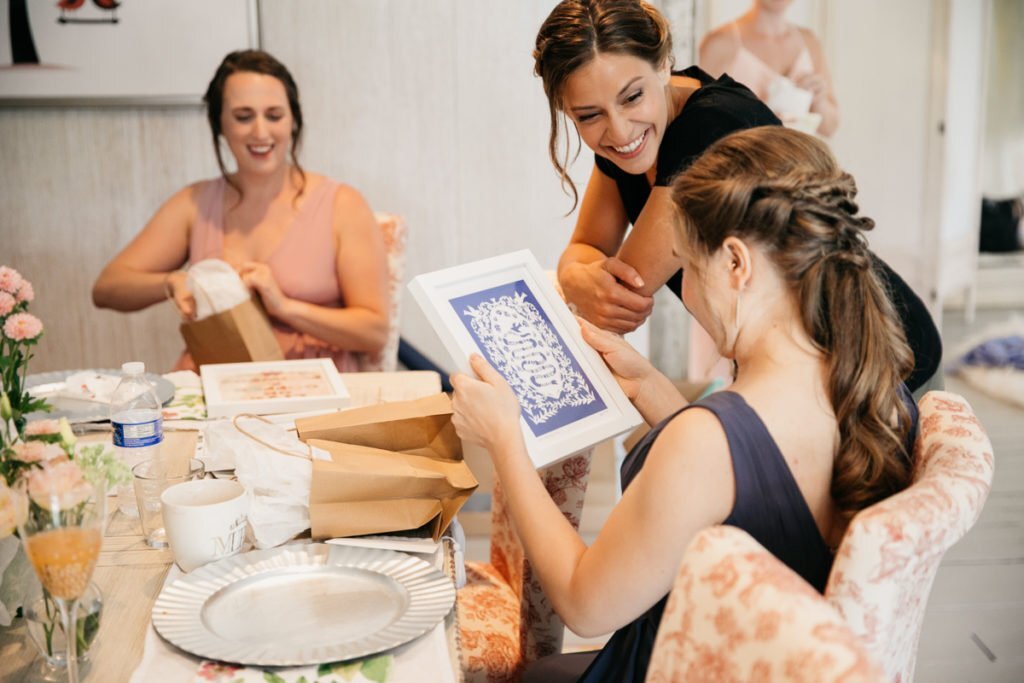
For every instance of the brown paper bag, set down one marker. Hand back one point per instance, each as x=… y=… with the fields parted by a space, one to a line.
x=394 y=467
x=237 y=335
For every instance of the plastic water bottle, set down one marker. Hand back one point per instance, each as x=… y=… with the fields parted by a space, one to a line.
x=137 y=422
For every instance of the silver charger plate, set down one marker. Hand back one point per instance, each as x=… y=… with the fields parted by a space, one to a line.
x=302 y=604
x=45 y=384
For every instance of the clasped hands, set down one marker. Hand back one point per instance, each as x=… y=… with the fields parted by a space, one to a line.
x=605 y=293
x=256 y=276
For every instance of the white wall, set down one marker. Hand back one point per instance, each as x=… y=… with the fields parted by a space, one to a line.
x=429 y=108
x=881 y=66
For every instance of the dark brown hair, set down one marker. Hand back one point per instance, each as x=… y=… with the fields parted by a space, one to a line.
x=783 y=190
x=259 y=62
x=576 y=31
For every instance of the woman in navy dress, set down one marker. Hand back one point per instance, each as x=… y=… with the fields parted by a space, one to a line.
x=816 y=426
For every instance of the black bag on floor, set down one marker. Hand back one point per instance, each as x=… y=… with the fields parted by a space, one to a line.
x=1000 y=223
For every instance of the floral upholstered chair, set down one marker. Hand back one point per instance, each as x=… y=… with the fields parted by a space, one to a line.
x=736 y=613
x=888 y=558
x=505 y=620
x=394 y=230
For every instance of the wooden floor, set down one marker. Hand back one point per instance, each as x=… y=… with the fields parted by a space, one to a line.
x=974 y=627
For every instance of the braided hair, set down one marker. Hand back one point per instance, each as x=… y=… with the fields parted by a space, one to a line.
x=783 y=190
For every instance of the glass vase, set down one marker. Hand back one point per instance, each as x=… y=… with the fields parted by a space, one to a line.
x=42 y=617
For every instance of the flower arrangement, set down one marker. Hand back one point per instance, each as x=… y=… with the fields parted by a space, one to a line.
x=42 y=451
x=19 y=332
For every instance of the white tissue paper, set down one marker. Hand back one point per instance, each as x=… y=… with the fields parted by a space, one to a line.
x=278 y=483
x=215 y=286
x=793 y=105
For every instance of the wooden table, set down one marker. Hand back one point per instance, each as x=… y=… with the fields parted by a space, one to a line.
x=130 y=574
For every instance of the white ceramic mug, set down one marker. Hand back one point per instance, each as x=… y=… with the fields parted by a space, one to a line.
x=205 y=520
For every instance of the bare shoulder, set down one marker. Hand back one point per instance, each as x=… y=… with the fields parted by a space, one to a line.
x=694 y=441
x=348 y=198
x=184 y=203
x=718 y=47
x=811 y=40
x=692 y=452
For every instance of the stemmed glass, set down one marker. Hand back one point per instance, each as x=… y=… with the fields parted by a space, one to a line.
x=62 y=531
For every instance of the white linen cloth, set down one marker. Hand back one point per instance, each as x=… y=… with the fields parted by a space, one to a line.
x=425 y=658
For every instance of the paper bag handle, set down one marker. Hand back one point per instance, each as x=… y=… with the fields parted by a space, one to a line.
x=234 y=421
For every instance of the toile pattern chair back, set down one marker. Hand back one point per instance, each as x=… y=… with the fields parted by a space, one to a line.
x=736 y=613
x=395 y=234
x=888 y=558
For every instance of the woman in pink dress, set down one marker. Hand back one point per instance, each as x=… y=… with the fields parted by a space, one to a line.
x=782 y=63
x=310 y=247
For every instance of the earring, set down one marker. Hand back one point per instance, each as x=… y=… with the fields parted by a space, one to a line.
x=736 y=318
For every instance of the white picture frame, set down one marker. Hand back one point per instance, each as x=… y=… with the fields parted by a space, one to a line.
x=234 y=388
x=507 y=309
x=110 y=53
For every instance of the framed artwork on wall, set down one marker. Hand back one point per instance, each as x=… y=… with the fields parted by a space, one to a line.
x=265 y=388
x=506 y=309
x=118 y=52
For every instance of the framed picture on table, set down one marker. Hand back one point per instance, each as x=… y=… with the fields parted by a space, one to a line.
x=265 y=388
x=506 y=309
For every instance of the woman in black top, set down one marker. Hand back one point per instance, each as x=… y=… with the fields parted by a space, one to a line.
x=606 y=66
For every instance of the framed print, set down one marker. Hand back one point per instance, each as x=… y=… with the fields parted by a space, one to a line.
x=506 y=309
x=118 y=52
x=282 y=386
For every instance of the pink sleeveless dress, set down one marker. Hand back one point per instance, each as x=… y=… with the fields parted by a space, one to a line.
x=753 y=72
x=303 y=263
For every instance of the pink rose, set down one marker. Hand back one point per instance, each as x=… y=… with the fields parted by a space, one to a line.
x=26 y=293
x=10 y=280
x=6 y=303
x=23 y=327
x=12 y=510
x=58 y=485
x=37 y=451
x=38 y=427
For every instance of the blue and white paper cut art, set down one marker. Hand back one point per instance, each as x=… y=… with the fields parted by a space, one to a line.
x=506 y=309
x=518 y=339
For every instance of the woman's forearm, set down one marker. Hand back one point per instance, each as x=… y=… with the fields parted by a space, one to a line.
x=657 y=399
x=126 y=289
x=829 y=118
x=351 y=328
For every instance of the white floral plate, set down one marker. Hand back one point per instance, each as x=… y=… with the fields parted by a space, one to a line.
x=303 y=604
x=48 y=384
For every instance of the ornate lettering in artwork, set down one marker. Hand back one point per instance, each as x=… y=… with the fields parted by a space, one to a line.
x=520 y=342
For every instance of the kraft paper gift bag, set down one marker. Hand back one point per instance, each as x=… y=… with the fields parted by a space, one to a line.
x=394 y=467
x=237 y=335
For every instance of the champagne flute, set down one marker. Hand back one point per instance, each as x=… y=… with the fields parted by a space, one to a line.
x=62 y=532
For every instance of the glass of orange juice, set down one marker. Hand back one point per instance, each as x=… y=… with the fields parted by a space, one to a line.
x=62 y=529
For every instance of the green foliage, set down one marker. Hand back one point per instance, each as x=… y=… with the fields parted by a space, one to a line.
x=100 y=464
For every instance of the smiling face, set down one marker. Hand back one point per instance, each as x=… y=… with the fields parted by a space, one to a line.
x=257 y=122
x=619 y=104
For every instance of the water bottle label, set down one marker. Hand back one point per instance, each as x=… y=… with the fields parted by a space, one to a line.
x=138 y=434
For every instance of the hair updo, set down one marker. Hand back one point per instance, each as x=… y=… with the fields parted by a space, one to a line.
x=783 y=190
x=578 y=30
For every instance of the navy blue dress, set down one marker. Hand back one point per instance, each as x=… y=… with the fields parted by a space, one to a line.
x=769 y=506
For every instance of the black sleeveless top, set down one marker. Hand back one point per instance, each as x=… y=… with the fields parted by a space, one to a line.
x=722 y=106
x=769 y=506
